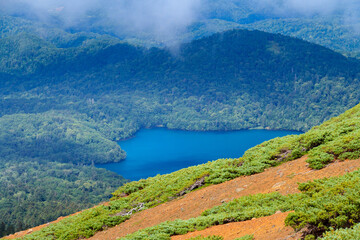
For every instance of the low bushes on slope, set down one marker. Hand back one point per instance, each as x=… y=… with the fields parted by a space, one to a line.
x=343 y=234
x=247 y=237
x=207 y=238
x=336 y=138
x=322 y=205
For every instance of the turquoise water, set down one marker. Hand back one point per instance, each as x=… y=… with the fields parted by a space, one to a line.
x=160 y=151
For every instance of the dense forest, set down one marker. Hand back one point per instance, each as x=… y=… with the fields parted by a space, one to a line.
x=66 y=98
x=38 y=191
x=334 y=30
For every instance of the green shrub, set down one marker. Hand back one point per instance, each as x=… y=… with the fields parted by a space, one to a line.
x=322 y=205
x=343 y=234
x=206 y=238
x=246 y=237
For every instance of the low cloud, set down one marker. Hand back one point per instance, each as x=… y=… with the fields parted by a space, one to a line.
x=162 y=20
x=159 y=19
x=348 y=9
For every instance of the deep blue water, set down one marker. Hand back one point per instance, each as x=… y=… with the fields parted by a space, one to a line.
x=160 y=151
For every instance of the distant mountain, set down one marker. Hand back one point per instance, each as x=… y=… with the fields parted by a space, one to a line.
x=337 y=30
x=233 y=70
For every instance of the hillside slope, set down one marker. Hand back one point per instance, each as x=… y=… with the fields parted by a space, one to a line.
x=320 y=206
x=283 y=179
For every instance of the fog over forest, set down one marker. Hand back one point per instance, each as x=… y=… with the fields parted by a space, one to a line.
x=163 y=19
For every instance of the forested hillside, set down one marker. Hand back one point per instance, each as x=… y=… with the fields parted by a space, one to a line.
x=66 y=98
x=337 y=30
x=320 y=207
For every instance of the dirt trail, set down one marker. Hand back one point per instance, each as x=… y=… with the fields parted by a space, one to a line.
x=283 y=179
x=265 y=228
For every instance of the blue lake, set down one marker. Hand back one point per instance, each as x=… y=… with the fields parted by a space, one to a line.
x=160 y=151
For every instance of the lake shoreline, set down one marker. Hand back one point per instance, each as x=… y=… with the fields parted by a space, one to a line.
x=153 y=151
x=220 y=130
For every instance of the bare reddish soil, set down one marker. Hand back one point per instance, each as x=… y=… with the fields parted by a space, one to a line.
x=265 y=228
x=283 y=179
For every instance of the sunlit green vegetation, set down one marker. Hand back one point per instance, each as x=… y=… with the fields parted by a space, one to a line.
x=246 y=237
x=323 y=205
x=343 y=234
x=206 y=238
x=319 y=201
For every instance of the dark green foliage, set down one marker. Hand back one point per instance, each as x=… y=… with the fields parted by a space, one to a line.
x=55 y=137
x=333 y=33
x=33 y=193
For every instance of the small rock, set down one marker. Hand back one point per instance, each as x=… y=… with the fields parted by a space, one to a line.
x=279 y=184
x=240 y=189
x=253 y=218
x=29 y=231
x=279 y=172
x=182 y=209
x=277 y=212
x=224 y=200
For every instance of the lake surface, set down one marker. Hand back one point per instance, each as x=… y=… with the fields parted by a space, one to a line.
x=160 y=151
